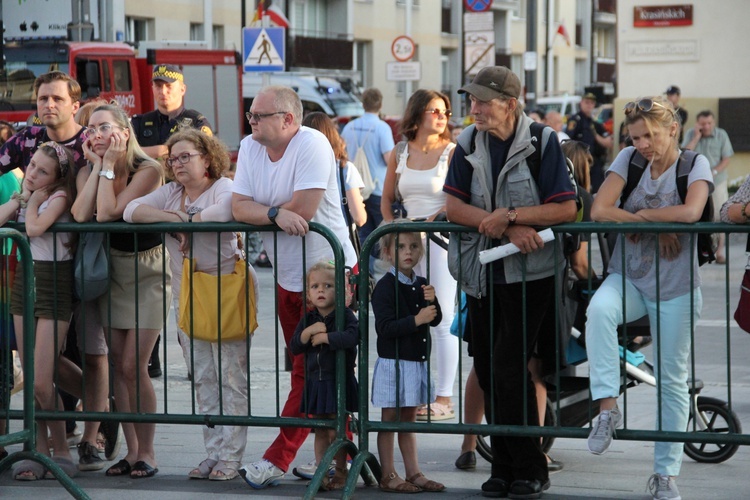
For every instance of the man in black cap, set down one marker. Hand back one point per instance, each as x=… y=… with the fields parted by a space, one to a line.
x=673 y=96
x=152 y=130
x=582 y=127
x=508 y=178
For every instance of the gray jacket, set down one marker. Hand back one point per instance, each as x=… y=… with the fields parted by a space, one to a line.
x=515 y=187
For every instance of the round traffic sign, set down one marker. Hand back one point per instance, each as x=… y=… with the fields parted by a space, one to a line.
x=478 y=5
x=402 y=48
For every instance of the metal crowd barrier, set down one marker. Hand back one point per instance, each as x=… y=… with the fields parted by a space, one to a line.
x=364 y=461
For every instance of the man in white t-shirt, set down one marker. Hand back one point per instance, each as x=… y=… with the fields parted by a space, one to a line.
x=286 y=175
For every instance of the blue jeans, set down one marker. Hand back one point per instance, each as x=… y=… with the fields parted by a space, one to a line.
x=671 y=351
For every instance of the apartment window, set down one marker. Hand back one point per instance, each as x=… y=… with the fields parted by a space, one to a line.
x=309 y=18
x=138 y=29
x=218 y=37
x=519 y=11
x=196 y=32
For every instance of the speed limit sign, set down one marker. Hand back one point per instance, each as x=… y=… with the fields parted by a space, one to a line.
x=403 y=48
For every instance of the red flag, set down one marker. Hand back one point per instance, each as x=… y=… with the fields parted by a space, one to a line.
x=562 y=31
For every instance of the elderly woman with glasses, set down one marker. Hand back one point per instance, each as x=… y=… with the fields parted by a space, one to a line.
x=200 y=193
x=653 y=280
x=119 y=172
x=415 y=176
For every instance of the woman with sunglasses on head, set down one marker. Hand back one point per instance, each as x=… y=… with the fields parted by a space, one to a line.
x=665 y=292
x=119 y=172
x=200 y=193
x=416 y=173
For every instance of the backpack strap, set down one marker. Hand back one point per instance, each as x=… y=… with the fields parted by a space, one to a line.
x=684 y=165
x=636 y=167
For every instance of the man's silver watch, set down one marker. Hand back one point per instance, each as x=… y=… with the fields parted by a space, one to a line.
x=108 y=174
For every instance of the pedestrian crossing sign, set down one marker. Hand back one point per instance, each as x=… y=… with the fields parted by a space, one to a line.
x=263 y=49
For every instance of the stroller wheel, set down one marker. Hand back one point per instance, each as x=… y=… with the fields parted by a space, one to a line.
x=714 y=416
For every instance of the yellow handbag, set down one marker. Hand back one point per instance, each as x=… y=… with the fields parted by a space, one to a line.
x=199 y=295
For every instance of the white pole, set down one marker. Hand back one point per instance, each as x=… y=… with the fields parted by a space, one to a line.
x=550 y=49
x=208 y=23
x=407 y=19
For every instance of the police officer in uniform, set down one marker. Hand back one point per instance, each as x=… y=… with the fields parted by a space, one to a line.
x=582 y=127
x=154 y=128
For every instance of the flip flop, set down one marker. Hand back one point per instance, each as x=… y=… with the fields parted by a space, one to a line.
x=28 y=470
x=141 y=466
x=436 y=412
x=121 y=468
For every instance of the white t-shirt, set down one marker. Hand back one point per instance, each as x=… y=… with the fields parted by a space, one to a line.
x=640 y=257
x=308 y=163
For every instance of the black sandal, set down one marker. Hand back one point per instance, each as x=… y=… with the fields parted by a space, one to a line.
x=121 y=468
x=142 y=466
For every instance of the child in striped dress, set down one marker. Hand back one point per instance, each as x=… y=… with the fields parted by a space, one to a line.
x=405 y=307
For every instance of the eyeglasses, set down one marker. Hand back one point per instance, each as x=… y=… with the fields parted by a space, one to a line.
x=258 y=116
x=102 y=129
x=183 y=158
x=437 y=111
x=644 y=105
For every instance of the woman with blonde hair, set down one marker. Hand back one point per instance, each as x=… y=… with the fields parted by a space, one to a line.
x=119 y=172
x=650 y=278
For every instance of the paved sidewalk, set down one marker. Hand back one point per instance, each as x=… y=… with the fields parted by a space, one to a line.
x=621 y=473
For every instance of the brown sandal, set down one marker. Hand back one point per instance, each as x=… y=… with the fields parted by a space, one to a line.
x=394 y=484
x=425 y=484
x=338 y=481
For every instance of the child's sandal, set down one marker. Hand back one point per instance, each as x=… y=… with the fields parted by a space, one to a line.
x=394 y=484
x=419 y=480
x=338 y=481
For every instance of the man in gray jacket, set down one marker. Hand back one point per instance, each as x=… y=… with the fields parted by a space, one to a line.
x=506 y=180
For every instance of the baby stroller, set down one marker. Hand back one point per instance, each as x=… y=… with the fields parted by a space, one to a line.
x=569 y=389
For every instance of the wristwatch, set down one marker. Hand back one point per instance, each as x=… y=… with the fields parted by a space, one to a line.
x=273 y=212
x=108 y=174
x=512 y=215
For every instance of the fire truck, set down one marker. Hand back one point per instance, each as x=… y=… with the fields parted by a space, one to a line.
x=116 y=71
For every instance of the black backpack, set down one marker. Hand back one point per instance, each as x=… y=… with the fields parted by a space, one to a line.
x=636 y=167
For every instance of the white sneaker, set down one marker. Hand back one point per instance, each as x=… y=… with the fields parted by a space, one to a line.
x=308 y=470
x=261 y=474
x=601 y=433
x=663 y=488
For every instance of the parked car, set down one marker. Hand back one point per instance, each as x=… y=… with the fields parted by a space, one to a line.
x=564 y=104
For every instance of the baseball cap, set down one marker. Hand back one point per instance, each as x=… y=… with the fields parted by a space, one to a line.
x=168 y=73
x=493 y=82
x=673 y=89
x=590 y=96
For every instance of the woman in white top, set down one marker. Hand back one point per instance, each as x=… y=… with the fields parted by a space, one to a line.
x=416 y=171
x=199 y=193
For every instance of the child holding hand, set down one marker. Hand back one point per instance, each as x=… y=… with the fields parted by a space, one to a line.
x=317 y=337
x=405 y=307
